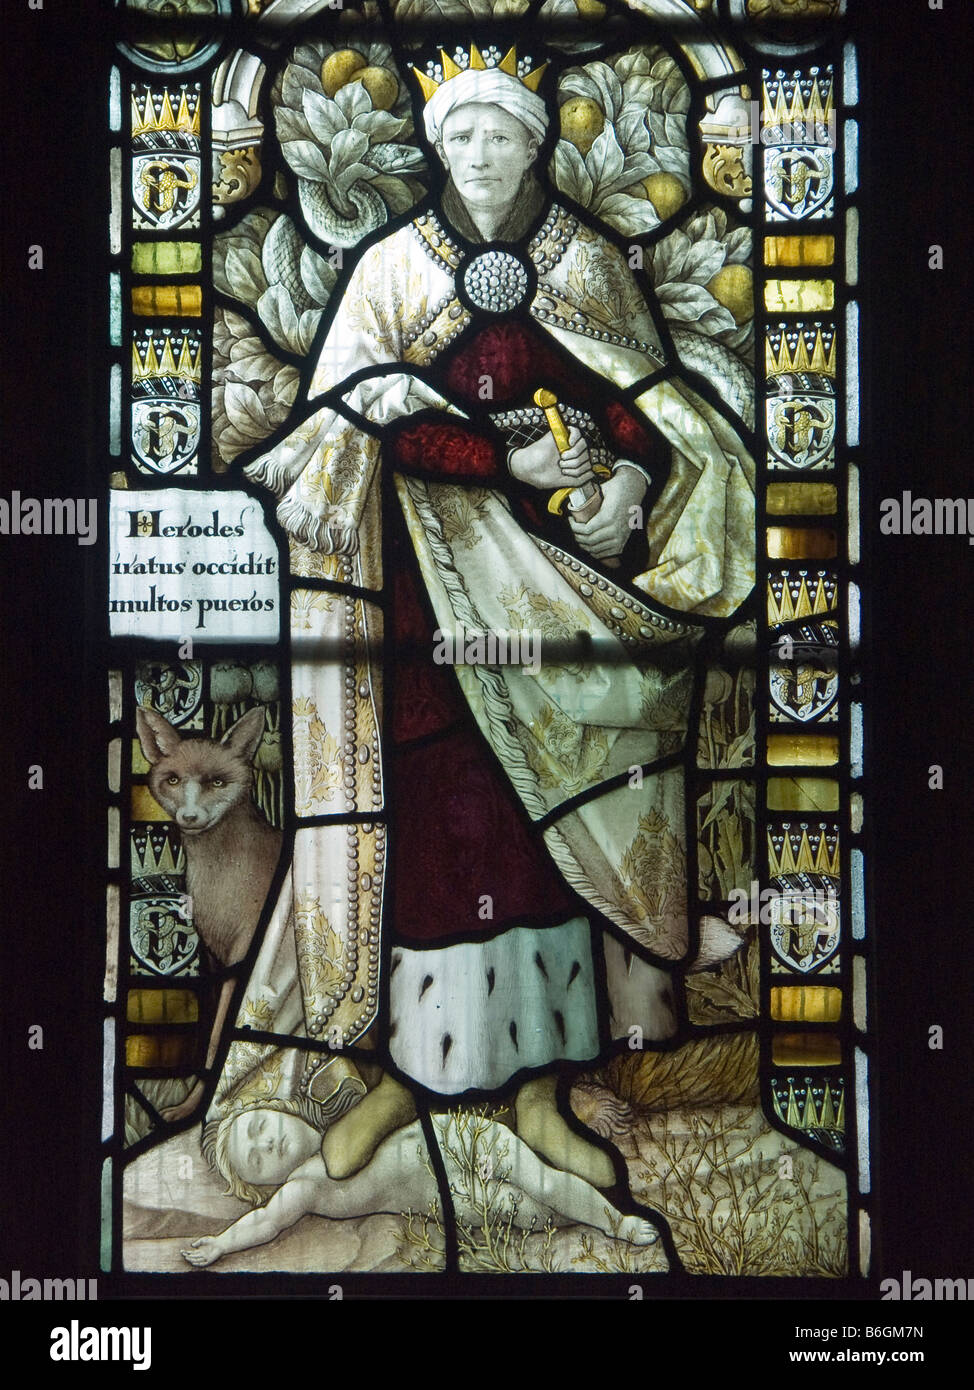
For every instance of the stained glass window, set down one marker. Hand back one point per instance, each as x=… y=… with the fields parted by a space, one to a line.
x=482 y=726
x=485 y=862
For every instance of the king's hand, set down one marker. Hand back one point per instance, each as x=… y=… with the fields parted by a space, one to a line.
x=540 y=464
x=606 y=534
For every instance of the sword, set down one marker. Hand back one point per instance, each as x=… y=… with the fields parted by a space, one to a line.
x=585 y=500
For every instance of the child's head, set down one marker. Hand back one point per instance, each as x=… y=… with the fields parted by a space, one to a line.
x=258 y=1149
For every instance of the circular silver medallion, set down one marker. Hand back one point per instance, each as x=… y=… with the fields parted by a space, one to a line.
x=496 y=282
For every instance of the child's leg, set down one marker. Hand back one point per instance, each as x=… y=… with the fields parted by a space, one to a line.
x=572 y=1197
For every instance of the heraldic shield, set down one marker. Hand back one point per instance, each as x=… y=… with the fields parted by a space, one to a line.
x=805 y=919
x=806 y=685
x=161 y=939
x=798 y=179
x=166 y=190
x=801 y=419
x=166 y=414
x=165 y=432
x=174 y=689
x=166 y=163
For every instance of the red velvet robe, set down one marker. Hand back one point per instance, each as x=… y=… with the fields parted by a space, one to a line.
x=461 y=834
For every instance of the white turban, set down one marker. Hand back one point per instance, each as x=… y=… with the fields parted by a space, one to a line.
x=491 y=87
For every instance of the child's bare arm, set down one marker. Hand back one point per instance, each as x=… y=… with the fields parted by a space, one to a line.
x=292 y=1201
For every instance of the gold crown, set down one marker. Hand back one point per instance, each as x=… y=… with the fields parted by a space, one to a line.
x=802 y=1111
x=477 y=63
x=785 y=103
x=793 y=596
x=157 y=854
x=186 y=363
x=148 y=120
x=811 y=350
x=804 y=853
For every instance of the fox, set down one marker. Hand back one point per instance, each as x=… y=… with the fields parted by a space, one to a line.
x=231 y=851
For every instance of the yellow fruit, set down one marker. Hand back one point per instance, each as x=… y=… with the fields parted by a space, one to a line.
x=381 y=86
x=665 y=192
x=339 y=68
x=733 y=286
x=590 y=9
x=582 y=122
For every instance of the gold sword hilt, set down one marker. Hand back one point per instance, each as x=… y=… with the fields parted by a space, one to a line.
x=588 y=496
x=548 y=402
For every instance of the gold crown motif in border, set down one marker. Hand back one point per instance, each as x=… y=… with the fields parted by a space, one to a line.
x=803 y=357
x=147 y=121
x=187 y=364
x=816 y=107
x=451 y=69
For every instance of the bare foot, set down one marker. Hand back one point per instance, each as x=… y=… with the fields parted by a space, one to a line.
x=638 y=1231
x=542 y=1128
x=351 y=1141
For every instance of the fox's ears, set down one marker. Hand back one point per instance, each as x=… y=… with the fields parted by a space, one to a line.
x=156 y=735
x=243 y=738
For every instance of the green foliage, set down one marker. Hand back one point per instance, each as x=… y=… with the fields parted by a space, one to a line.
x=642 y=99
x=726 y=737
x=725 y=820
x=733 y=1215
x=490 y=1242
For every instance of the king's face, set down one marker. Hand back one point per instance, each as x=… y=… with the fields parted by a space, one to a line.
x=487 y=153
